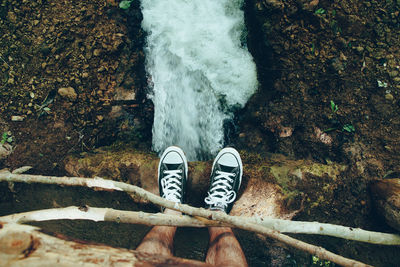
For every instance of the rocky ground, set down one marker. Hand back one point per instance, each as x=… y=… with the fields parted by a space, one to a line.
x=330 y=84
x=72 y=79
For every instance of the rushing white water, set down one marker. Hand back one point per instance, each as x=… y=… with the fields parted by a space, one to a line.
x=199 y=70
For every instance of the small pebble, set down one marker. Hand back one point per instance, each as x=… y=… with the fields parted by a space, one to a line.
x=389 y=97
x=17 y=118
x=96 y=52
x=68 y=92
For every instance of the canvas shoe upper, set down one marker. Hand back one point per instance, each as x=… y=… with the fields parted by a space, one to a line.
x=172 y=174
x=226 y=177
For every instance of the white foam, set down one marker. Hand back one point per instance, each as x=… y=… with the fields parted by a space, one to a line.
x=195 y=60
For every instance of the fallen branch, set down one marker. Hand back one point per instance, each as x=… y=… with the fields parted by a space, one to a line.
x=284 y=226
x=151 y=219
x=220 y=216
x=107 y=214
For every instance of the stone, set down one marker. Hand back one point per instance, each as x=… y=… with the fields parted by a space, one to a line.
x=17 y=118
x=389 y=97
x=12 y=17
x=97 y=52
x=393 y=73
x=386 y=196
x=5 y=150
x=68 y=92
x=360 y=49
x=11 y=80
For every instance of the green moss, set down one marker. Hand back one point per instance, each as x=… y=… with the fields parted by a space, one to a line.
x=320 y=170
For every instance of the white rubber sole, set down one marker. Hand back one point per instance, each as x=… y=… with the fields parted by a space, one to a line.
x=236 y=154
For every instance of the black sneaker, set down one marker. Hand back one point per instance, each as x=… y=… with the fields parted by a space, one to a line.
x=172 y=174
x=226 y=177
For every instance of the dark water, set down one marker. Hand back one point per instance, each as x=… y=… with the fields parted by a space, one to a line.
x=190 y=243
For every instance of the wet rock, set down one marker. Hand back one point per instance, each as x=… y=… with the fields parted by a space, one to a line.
x=386 y=196
x=68 y=92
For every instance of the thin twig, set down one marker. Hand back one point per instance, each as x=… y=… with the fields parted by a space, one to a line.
x=1 y=57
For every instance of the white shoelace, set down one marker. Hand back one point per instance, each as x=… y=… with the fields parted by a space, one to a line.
x=171 y=185
x=221 y=193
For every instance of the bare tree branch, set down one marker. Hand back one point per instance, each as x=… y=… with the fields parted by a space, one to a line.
x=151 y=219
x=211 y=215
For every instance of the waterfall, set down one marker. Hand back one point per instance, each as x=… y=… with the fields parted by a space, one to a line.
x=200 y=71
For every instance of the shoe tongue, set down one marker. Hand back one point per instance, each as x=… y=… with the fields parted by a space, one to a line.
x=225 y=168
x=173 y=166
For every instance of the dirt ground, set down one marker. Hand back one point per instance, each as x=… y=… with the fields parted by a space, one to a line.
x=72 y=79
x=329 y=77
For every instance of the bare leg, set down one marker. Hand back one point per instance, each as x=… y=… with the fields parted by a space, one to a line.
x=160 y=239
x=224 y=249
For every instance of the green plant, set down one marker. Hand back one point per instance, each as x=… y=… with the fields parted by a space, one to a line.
x=323 y=263
x=320 y=11
x=348 y=128
x=5 y=137
x=334 y=107
x=125 y=4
